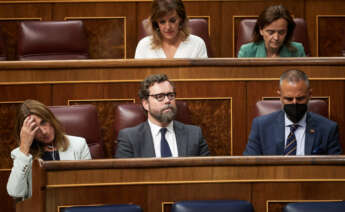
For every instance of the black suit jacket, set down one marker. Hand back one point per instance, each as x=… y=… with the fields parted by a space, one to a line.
x=138 y=142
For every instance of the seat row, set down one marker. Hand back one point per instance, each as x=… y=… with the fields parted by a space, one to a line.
x=82 y=120
x=216 y=205
x=62 y=40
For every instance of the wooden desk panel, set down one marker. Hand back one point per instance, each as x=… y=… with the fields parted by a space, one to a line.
x=7 y=202
x=151 y=182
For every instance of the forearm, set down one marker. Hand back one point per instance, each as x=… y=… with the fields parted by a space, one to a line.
x=19 y=182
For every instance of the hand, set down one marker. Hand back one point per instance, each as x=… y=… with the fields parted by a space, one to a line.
x=27 y=134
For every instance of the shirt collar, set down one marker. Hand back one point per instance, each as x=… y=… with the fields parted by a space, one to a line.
x=155 y=129
x=301 y=123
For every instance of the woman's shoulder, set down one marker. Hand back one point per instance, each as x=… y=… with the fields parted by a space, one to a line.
x=251 y=45
x=75 y=140
x=195 y=39
x=296 y=44
x=146 y=40
x=299 y=49
x=250 y=49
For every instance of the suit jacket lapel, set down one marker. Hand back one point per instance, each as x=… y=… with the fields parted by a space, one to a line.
x=309 y=135
x=148 y=149
x=180 y=139
x=261 y=50
x=280 y=133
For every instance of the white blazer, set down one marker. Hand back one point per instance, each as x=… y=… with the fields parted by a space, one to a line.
x=19 y=184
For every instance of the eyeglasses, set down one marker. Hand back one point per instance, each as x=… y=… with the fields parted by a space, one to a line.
x=161 y=96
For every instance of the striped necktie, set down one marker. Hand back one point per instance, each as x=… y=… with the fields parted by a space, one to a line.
x=291 y=143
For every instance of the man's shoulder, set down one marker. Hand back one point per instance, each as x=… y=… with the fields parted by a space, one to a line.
x=321 y=120
x=180 y=125
x=136 y=128
x=269 y=117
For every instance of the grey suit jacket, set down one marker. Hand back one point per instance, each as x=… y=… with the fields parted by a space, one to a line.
x=267 y=136
x=138 y=142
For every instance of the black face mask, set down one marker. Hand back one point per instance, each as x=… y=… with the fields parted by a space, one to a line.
x=295 y=112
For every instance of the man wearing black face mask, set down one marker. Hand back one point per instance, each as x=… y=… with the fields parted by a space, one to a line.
x=293 y=130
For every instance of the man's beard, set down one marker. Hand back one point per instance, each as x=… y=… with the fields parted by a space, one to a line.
x=165 y=117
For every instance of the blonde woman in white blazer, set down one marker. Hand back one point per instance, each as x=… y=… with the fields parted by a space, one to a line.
x=40 y=135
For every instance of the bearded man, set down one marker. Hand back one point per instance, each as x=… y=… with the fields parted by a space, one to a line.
x=161 y=135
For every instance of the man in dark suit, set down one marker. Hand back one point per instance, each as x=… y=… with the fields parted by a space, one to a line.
x=293 y=130
x=160 y=135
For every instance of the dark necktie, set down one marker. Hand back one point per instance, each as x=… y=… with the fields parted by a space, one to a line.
x=165 y=149
x=291 y=143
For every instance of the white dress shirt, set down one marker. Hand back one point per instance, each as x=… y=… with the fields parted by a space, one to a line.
x=169 y=136
x=299 y=133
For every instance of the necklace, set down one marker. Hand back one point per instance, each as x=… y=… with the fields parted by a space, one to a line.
x=50 y=147
x=51 y=150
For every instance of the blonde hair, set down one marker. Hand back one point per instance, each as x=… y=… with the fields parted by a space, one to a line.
x=33 y=107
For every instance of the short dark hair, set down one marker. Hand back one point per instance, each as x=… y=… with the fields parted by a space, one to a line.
x=294 y=76
x=149 y=81
x=271 y=14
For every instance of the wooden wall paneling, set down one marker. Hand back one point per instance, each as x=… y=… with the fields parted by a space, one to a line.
x=106 y=36
x=8 y=141
x=209 y=9
x=143 y=11
x=336 y=102
x=64 y=93
x=17 y=10
x=103 y=11
x=214 y=116
x=19 y=92
x=222 y=127
x=7 y=202
x=315 y=8
x=330 y=39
